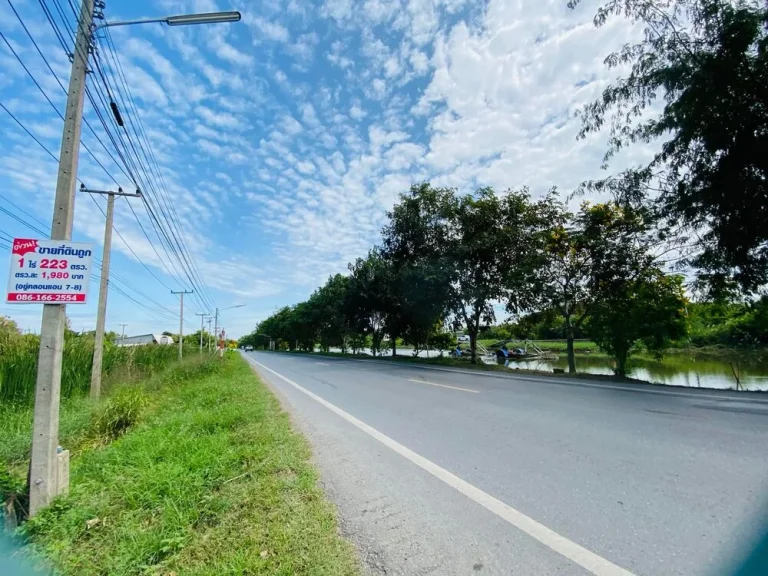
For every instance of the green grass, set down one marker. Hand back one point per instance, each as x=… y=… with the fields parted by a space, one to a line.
x=16 y=429
x=211 y=480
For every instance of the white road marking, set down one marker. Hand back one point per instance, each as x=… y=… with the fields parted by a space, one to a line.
x=322 y=364
x=444 y=386
x=578 y=554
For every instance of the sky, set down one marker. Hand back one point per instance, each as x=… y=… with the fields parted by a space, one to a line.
x=281 y=141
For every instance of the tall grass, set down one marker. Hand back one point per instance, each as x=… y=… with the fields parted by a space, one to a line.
x=18 y=364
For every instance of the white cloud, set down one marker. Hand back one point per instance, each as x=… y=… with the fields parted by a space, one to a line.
x=290 y=125
x=379 y=88
x=220 y=119
x=419 y=62
x=227 y=52
x=264 y=29
x=509 y=97
x=303 y=48
x=336 y=57
x=144 y=86
x=305 y=167
x=392 y=67
x=356 y=112
x=309 y=116
x=339 y=10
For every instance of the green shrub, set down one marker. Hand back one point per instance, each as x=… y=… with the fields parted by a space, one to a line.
x=119 y=413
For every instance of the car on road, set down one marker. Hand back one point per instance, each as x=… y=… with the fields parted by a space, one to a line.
x=463 y=338
x=249 y=348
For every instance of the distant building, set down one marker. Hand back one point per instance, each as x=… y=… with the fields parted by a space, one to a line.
x=143 y=339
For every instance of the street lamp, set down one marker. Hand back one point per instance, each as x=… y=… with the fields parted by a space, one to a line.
x=181 y=20
x=216 y=321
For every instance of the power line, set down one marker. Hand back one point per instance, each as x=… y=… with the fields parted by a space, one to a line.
x=52 y=155
x=45 y=95
x=187 y=261
x=133 y=179
x=118 y=72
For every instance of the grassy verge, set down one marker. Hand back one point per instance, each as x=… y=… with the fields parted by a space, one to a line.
x=210 y=480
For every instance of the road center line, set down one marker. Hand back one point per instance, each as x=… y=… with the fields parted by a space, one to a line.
x=578 y=554
x=322 y=364
x=444 y=386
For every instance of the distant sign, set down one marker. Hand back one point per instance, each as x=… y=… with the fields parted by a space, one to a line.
x=49 y=271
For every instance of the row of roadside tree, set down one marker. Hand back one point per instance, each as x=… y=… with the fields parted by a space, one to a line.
x=694 y=93
x=450 y=261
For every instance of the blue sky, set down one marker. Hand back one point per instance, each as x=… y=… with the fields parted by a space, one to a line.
x=285 y=138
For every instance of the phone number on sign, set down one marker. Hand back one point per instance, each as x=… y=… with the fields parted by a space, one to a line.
x=19 y=297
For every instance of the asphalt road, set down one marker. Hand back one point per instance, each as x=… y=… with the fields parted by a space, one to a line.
x=441 y=472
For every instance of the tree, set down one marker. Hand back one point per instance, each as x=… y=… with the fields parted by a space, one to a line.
x=370 y=303
x=562 y=280
x=708 y=61
x=630 y=299
x=327 y=309
x=583 y=254
x=481 y=243
x=422 y=293
x=648 y=309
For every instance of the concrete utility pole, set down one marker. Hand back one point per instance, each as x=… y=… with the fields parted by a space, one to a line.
x=181 y=320
x=216 y=329
x=43 y=468
x=202 y=318
x=122 y=336
x=210 y=342
x=101 y=315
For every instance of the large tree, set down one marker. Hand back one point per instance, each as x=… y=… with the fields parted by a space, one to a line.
x=697 y=86
x=327 y=310
x=370 y=305
x=649 y=308
x=630 y=299
x=480 y=242
x=422 y=293
x=563 y=277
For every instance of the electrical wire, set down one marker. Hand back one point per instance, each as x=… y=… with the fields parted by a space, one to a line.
x=130 y=176
x=118 y=73
x=129 y=168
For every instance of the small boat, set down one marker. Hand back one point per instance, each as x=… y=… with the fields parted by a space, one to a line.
x=514 y=349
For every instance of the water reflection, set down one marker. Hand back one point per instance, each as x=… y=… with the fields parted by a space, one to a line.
x=674 y=369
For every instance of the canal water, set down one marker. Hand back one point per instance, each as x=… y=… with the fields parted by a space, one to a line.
x=674 y=370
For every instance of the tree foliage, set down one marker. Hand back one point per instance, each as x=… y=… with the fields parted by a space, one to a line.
x=450 y=260
x=481 y=246
x=703 y=64
x=649 y=309
x=371 y=304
